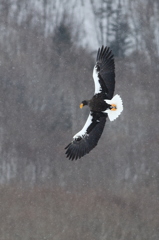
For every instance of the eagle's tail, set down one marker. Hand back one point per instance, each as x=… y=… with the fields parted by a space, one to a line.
x=116 y=107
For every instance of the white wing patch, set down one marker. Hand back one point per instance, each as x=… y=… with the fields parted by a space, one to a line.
x=98 y=88
x=83 y=132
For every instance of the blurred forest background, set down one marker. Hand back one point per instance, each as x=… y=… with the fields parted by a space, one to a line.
x=48 y=51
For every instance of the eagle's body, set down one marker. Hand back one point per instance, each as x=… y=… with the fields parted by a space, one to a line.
x=97 y=103
x=101 y=105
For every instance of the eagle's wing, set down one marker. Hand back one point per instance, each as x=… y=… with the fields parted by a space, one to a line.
x=104 y=73
x=85 y=140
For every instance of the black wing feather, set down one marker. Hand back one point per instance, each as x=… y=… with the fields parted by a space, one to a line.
x=104 y=77
x=81 y=146
x=106 y=66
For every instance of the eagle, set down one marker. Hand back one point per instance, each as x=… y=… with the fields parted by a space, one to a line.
x=102 y=105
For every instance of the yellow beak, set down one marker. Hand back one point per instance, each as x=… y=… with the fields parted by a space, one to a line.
x=81 y=105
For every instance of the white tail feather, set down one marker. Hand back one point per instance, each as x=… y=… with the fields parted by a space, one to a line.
x=117 y=101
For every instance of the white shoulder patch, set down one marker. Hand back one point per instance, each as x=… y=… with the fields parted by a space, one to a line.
x=98 y=88
x=83 y=132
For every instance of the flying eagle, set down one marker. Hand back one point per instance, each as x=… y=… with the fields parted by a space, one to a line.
x=101 y=105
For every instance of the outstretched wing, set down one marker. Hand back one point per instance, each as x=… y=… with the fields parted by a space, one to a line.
x=104 y=72
x=85 y=140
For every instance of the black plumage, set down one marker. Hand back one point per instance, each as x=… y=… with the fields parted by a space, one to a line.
x=106 y=67
x=83 y=145
x=100 y=106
